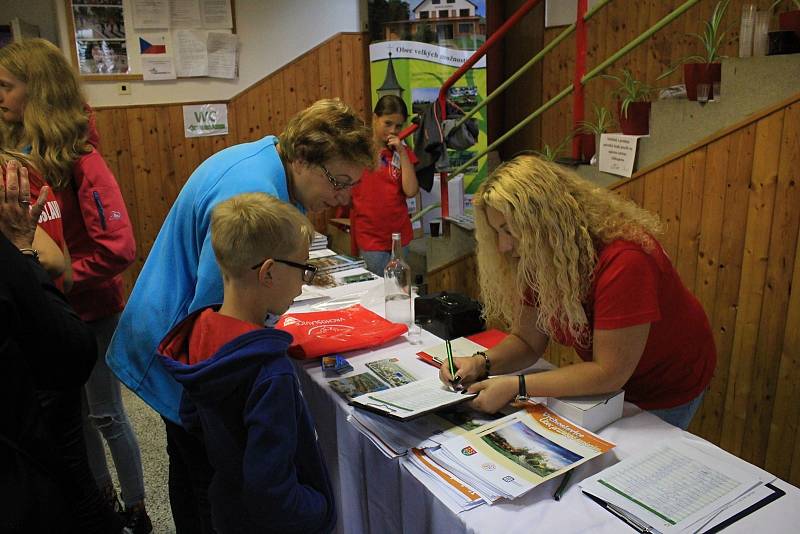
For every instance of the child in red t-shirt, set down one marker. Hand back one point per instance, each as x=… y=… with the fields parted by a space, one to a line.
x=379 y=200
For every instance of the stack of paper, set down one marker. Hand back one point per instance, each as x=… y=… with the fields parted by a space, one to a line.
x=675 y=487
x=512 y=455
x=335 y=262
x=319 y=242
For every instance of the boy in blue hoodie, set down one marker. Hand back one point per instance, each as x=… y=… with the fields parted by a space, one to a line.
x=240 y=391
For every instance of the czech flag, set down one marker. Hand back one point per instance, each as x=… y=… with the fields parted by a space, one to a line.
x=146 y=47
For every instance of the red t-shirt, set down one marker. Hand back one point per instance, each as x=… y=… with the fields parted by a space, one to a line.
x=50 y=220
x=379 y=206
x=211 y=331
x=633 y=287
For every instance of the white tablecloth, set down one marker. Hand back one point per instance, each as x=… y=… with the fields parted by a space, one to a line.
x=376 y=494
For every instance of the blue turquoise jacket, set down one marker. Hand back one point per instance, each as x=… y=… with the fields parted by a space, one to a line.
x=245 y=400
x=181 y=274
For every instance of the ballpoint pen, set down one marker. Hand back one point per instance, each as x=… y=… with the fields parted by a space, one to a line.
x=561 y=487
x=451 y=364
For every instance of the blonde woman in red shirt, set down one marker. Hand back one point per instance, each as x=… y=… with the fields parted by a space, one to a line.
x=563 y=260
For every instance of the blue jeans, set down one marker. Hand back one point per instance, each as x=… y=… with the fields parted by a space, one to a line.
x=377 y=259
x=682 y=415
x=105 y=414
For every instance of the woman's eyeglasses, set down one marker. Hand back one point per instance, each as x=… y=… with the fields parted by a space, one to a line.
x=309 y=271
x=337 y=184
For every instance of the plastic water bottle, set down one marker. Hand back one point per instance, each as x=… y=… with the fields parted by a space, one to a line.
x=397 y=286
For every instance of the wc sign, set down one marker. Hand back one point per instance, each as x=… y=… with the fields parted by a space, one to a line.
x=205 y=120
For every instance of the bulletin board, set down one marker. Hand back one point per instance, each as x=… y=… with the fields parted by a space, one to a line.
x=153 y=39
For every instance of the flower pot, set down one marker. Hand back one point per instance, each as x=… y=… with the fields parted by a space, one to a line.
x=637 y=121
x=588 y=147
x=695 y=73
x=790 y=21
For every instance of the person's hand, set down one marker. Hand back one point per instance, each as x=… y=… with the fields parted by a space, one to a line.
x=494 y=393
x=468 y=370
x=393 y=142
x=18 y=218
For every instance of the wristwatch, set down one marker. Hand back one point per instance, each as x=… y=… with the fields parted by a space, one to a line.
x=32 y=252
x=523 y=391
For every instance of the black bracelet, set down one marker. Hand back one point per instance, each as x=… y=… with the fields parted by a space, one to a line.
x=486 y=363
x=523 y=391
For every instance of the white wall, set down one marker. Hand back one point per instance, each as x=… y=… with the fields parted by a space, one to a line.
x=271 y=33
x=41 y=13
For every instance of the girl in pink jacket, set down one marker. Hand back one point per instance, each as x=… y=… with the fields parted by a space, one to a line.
x=43 y=113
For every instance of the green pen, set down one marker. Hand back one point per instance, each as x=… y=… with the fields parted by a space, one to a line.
x=450 y=361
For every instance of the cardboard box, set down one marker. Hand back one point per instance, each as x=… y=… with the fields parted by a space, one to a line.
x=591 y=412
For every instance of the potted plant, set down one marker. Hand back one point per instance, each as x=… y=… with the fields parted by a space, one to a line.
x=633 y=103
x=591 y=131
x=548 y=153
x=706 y=68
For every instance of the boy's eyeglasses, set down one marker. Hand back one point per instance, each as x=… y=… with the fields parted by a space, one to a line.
x=337 y=184
x=309 y=271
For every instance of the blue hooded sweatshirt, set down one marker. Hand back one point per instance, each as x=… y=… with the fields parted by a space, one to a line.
x=269 y=475
x=181 y=274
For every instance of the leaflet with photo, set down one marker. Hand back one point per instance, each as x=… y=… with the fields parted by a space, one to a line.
x=520 y=451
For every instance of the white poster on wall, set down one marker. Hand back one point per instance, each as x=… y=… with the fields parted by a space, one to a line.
x=205 y=120
x=562 y=12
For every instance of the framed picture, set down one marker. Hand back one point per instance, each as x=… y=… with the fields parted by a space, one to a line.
x=99 y=45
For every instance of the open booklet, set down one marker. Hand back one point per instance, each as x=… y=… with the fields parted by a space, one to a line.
x=411 y=400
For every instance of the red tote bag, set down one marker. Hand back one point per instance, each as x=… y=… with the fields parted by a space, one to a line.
x=327 y=332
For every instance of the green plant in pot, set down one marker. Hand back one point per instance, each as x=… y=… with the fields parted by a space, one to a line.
x=592 y=130
x=704 y=69
x=549 y=153
x=633 y=103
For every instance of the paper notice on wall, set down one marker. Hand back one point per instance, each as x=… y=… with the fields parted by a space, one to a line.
x=158 y=68
x=185 y=14
x=205 y=119
x=216 y=13
x=618 y=153
x=148 y=14
x=221 y=49
x=191 y=52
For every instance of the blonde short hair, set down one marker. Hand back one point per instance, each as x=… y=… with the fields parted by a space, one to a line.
x=559 y=220
x=251 y=227
x=326 y=130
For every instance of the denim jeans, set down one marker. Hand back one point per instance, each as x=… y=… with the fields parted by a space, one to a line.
x=682 y=415
x=377 y=259
x=104 y=414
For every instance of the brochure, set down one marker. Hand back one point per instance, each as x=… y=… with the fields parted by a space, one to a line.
x=411 y=400
x=514 y=454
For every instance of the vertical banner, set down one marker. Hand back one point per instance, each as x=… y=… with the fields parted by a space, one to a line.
x=416 y=71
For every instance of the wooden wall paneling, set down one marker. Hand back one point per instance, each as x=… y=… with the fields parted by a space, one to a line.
x=280 y=116
x=754 y=270
x=310 y=68
x=166 y=176
x=289 y=90
x=147 y=198
x=723 y=313
x=711 y=222
x=460 y=276
x=691 y=210
x=239 y=110
x=263 y=108
x=336 y=69
x=783 y=452
x=653 y=190
x=780 y=264
x=353 y=63
x=636 y=191
x=672 y=186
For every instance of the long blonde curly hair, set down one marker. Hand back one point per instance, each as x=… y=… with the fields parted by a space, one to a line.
x=558 y=220
x=55 y=121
